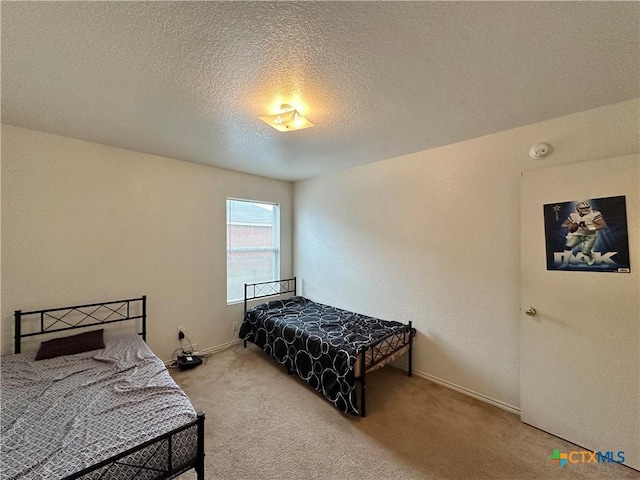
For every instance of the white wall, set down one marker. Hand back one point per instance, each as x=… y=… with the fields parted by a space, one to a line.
x=434 y=237
x=83 y=222
x=431 y=237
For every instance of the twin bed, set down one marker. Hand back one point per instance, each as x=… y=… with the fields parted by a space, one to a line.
x=329 y=348
x=110 y=412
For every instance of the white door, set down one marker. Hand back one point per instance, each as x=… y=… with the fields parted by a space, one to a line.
x=580 y=353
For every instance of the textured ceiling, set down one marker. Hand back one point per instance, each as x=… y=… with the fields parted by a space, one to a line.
x=187 y=80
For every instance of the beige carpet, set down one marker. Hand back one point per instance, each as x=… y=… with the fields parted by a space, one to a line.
x=264 y=424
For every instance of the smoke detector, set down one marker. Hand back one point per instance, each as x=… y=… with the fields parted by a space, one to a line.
x=540 y=151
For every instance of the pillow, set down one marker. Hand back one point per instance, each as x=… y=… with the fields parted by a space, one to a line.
x=83 y=342
x=277 y=304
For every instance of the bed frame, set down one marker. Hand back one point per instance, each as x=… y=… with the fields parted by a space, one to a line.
x=80 y=316
x=371 y=355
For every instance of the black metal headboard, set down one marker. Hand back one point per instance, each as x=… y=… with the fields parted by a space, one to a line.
x=253 y=291
x=80 y=316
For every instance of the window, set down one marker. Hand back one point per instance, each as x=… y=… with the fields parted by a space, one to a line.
x=253 y=245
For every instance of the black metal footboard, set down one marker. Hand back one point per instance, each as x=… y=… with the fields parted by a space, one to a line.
x=163 y=457
x=380 y=351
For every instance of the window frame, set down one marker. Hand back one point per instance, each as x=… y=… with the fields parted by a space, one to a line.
x=275 y=247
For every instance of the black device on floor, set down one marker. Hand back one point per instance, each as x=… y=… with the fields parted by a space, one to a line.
x=186 y=361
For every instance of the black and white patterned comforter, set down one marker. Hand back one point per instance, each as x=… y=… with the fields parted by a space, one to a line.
x=64 y=414
x=317 y=341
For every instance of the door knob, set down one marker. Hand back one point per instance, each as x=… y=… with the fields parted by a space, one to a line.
x=530 y=311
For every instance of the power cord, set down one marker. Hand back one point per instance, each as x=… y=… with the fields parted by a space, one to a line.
x=233 y=340
x=191 y=350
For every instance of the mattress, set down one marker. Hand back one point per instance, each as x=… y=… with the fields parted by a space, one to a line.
x=64 y=414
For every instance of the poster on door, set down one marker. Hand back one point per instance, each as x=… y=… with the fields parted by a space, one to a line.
x=587 y=235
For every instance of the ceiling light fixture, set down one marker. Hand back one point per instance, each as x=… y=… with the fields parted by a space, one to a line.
x=287 y=119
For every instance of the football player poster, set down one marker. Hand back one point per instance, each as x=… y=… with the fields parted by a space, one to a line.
x=587 y=235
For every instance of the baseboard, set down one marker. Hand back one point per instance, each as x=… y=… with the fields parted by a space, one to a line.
x=466 y=391
x=219 y=348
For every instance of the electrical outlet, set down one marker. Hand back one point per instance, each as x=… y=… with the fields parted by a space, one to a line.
x=181 y=333
x=235 y=326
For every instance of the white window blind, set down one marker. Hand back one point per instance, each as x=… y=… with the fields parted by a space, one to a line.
x=253 y=245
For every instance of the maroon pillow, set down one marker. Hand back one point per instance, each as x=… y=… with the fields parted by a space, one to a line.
x=83 y=342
